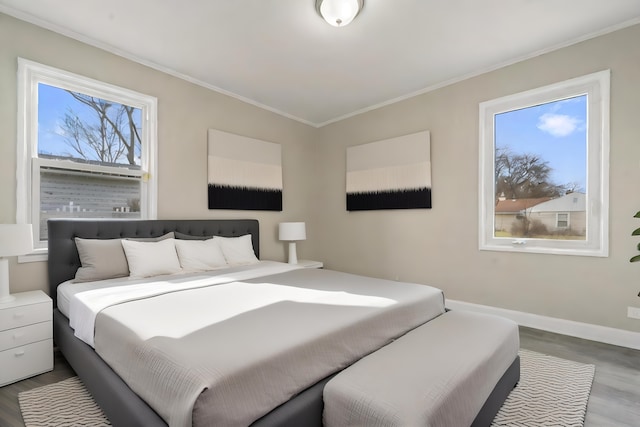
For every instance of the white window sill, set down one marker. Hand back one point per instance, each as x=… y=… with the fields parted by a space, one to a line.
x=37 y=255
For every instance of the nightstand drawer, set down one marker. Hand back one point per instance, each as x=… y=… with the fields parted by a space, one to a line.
x=15 y=317
x=25 y=335
x=26 y=361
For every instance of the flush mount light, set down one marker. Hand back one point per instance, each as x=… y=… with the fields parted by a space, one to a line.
x=339 y=12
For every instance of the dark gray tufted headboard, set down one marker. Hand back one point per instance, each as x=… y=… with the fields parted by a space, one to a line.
x=63 y=255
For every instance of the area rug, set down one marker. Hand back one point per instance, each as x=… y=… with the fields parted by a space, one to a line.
x=551 y=392
x=63 y=404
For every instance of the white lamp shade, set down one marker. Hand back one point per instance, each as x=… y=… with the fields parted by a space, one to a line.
x=292 y=231
x=338 y=12
x=15 y=239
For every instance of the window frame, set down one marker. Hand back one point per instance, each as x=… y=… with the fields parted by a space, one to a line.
x=28 y=164
x=597 y=88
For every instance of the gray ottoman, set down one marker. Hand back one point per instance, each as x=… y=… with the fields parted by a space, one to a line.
x=438 y=375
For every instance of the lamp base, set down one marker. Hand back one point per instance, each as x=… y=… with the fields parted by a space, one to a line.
x=293 y=256
x=5 y=294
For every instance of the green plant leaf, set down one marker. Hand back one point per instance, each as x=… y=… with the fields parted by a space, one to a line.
x=636 y=232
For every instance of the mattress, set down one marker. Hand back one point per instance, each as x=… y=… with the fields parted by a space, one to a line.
x=230 y=352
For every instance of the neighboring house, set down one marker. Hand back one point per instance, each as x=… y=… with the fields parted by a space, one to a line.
x=508 y=211
x=95 y=195
x=565 y=215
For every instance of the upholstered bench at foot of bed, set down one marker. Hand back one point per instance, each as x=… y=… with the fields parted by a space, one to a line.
x=438 y=375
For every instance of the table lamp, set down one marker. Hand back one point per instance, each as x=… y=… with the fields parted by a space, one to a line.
x=15 y=239
x=292 y=232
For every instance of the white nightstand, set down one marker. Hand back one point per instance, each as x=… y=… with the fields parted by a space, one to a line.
x=26 y=336
x=307 y=263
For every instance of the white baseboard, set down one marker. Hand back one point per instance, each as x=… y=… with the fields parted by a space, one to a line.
x=586 y=331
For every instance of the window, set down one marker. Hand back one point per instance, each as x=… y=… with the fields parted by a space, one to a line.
x=86 y=149
x=562 y=221
x=544 y=164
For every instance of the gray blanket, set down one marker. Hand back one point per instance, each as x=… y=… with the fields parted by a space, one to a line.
x=230 y=353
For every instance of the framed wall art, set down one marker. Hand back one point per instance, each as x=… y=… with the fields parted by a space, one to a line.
x=390 y=174
x=243 y=173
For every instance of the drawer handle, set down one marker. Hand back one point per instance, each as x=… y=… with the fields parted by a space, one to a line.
x=17 y=335
x=18 y=315
x=19 y=353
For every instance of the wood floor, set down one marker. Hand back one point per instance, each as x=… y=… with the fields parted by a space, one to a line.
x=614 y=400
x=615 y=394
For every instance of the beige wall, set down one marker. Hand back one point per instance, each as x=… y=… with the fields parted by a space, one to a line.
x=440 y=246
x=185 y=113
x=437 y=246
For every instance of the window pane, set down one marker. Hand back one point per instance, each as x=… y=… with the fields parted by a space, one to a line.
x=87 y=129
x=563 y=220
x=84 y=129
x=83 y=194
x=541 y=170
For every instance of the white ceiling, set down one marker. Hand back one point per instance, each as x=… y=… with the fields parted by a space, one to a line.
x=280 y=55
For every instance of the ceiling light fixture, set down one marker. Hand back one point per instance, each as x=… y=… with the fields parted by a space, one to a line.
x=339 y=12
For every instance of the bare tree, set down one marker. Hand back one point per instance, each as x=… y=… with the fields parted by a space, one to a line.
x=111 y=136
x=520 y=176
x=572 y=187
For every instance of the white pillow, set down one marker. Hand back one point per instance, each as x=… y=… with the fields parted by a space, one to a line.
x=200 y=255
x=237 y=250
x=148 y=259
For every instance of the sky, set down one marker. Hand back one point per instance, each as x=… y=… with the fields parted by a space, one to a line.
x=53 y=103
x=556 y=131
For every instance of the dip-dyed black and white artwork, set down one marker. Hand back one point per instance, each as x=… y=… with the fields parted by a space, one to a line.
x=390 y=174
x=244 y=173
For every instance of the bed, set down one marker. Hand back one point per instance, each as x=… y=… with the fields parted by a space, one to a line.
x=294 y=406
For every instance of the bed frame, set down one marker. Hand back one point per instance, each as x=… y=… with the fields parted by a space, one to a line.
x=121 y=405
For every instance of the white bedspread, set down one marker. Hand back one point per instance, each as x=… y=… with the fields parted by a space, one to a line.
x=229 y=353
x=84 y=305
